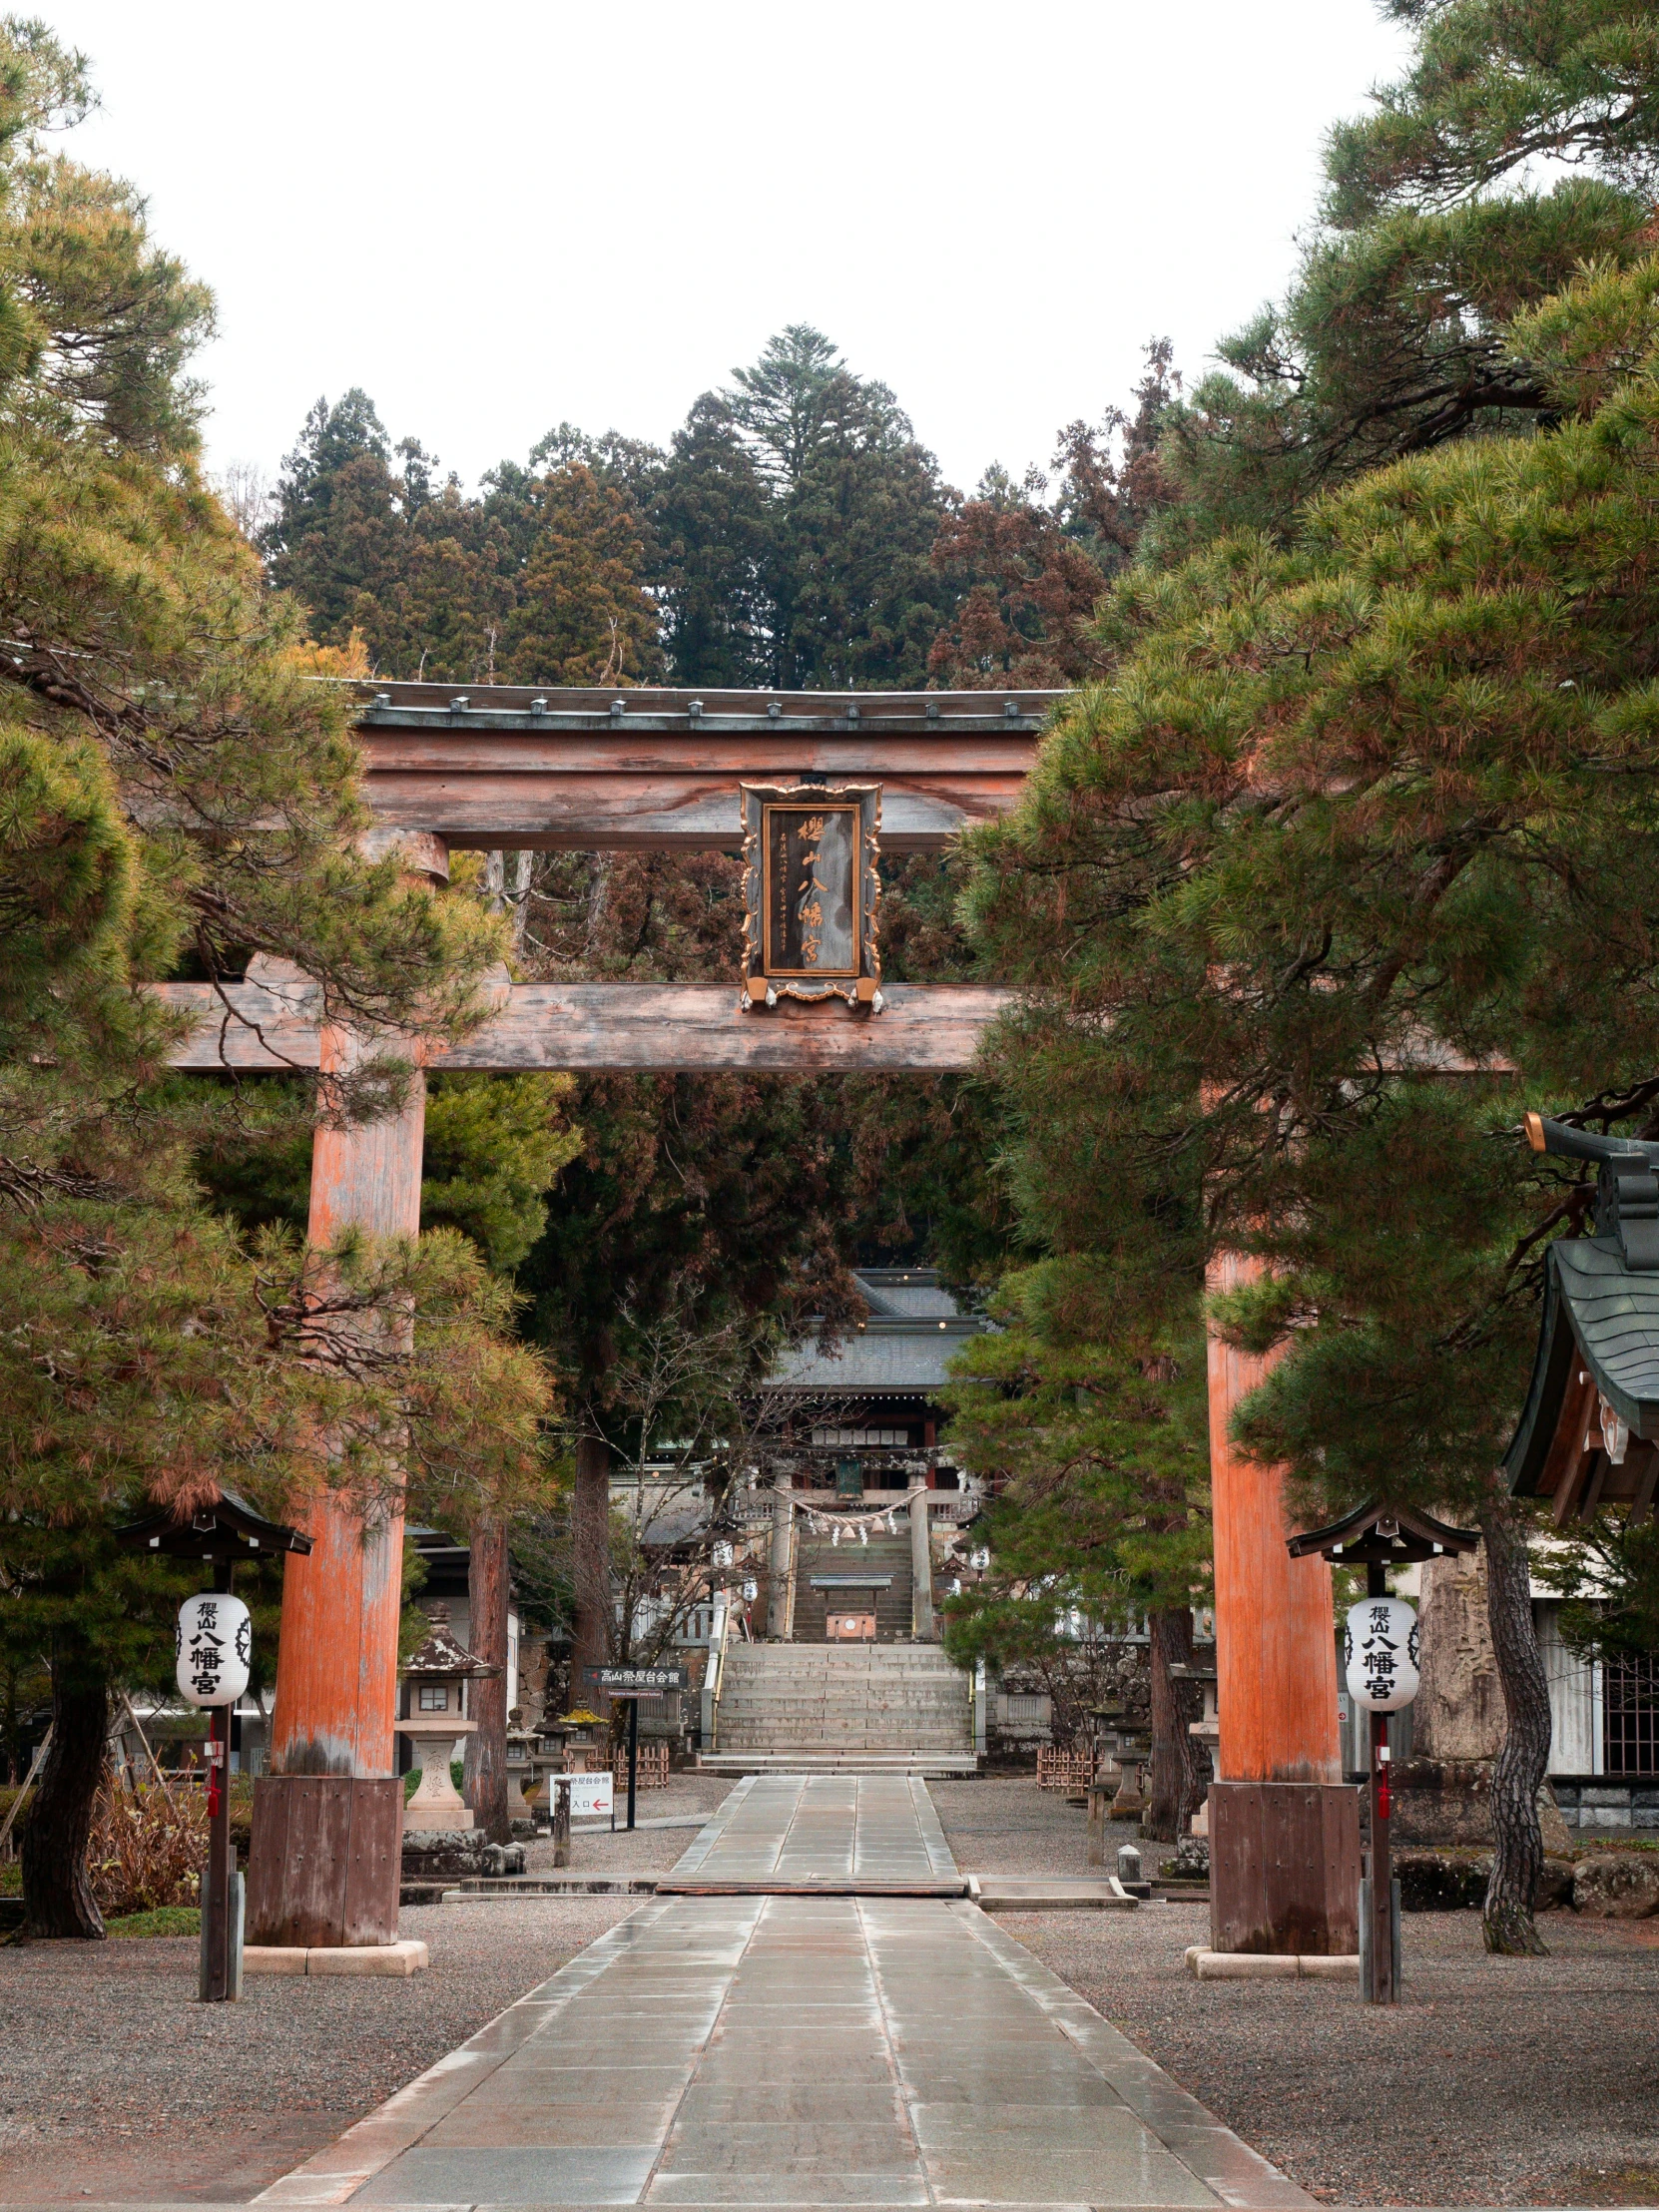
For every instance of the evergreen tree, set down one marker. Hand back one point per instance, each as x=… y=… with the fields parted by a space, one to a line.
x=580 y=611
x=175 y=790
x=1375 y=801
x=710 y=513
x=834 y=520
x=1030 y=570
x=336 y=538
x=1093 y=1414
x=1438 y=231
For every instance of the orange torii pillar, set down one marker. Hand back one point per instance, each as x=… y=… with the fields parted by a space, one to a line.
x=1284 y=1829
x=326 y=1851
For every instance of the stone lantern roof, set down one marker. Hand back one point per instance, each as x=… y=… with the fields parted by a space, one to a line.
x=442 y=1657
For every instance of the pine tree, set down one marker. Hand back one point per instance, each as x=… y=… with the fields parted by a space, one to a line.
x=175 y=790
x=1372 y=801
x=1438 y=227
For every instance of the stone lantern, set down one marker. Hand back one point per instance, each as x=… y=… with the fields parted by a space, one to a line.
x=437 y=1724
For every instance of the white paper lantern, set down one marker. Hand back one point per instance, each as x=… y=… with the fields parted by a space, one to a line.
x=1379 y=1653
x=213 y=1647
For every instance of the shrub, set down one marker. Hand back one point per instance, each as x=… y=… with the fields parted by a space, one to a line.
x=148 y=1849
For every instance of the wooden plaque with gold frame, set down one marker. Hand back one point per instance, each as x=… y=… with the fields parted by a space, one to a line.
x=811 y=892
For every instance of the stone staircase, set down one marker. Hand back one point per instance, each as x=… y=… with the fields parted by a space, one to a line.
x=885 y=1559
x=841 y=1709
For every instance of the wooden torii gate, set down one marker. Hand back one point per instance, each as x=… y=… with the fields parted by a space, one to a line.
x=519 y=768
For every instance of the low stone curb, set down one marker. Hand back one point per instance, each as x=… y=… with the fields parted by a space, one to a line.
x=399 y=1960
x=1058 y=1893
x=1262 y=1966
x=539 y=1887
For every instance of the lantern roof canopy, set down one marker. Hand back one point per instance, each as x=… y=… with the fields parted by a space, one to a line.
x=1383 y=1535
x=226 y=1529
x=443 y=1657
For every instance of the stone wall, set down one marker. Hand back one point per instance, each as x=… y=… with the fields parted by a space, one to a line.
x=1593 y=1802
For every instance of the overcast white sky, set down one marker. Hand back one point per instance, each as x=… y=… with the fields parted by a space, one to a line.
x=498 y=216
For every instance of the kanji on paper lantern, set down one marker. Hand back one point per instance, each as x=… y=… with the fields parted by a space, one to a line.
x=1379 y=1653
x=213 y=1646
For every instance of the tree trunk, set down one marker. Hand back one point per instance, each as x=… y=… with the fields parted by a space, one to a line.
x=590 y=1545
x=485 y=1778
x=57 y=1893
x=1174 y=1795
x=1518 y=1844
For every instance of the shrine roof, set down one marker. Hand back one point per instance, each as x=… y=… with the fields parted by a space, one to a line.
x=914 y=1292
x=1588 y=1428
x=442 y=1655
x=1600 y=1318
x=913 y=1331
x=227 y=1528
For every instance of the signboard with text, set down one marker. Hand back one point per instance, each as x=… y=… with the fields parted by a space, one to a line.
x=638 y=1681
x=590 y=1794
x=812 y=889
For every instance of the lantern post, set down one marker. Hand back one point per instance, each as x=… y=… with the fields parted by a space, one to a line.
x=213 y=1651
x=1381 y=1659
x=221 y=1977
x=1380 y=1893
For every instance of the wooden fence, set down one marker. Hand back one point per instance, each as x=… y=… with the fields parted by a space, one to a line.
x=1064 y=1770
x=652 y=1772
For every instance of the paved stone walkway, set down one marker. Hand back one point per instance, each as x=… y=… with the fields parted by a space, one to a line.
x=796 y=2052
x=801 y=1828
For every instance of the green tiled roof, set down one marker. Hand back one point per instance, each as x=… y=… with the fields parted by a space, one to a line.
x=1600 y=1315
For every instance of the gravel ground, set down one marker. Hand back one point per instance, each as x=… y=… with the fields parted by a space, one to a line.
x=114 y=2083
x=1007 y=1824
x=1495 y=2081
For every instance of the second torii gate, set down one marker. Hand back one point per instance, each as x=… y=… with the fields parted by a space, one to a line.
x=519 y=768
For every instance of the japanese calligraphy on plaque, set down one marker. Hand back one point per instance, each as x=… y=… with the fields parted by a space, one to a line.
x=811 y=888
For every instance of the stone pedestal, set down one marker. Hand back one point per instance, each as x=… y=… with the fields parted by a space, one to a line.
x=448 y=1856
x=437 y=1803
x=1446 y=1805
